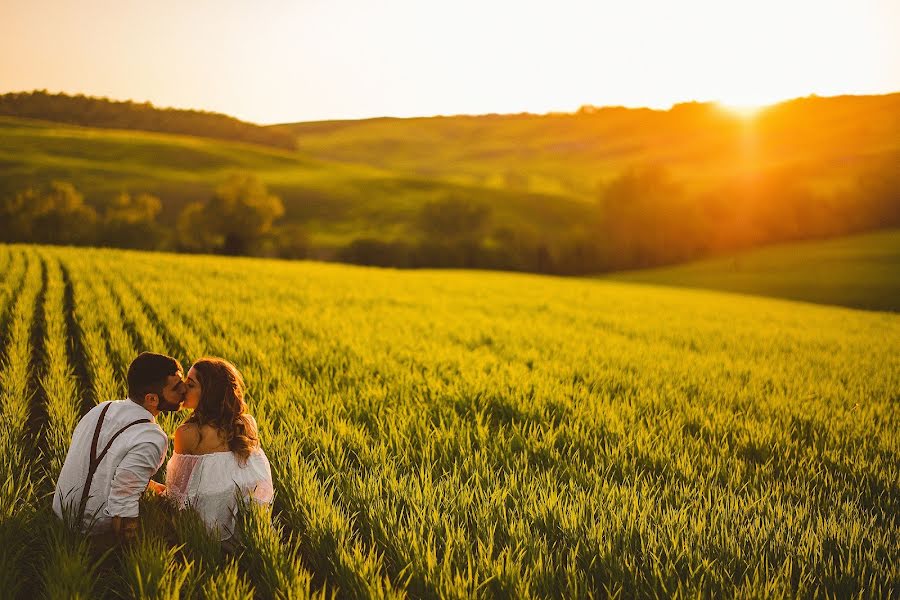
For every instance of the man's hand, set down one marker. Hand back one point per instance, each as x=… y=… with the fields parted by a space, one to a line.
x=125 y=529
x=156 y=488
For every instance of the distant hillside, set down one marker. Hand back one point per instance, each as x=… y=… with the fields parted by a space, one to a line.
x=336 y=203
x=828 y=141
x=102 y=112
x=861 y=271
x=603 y=190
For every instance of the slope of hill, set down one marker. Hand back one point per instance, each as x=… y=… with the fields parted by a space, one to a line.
x=857 y=271
x=829 y=140
x=102 y=112
x=337 y=202
x=609 y=188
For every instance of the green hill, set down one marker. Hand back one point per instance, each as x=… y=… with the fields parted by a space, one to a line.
x=103 y=112
x=337 y=202
x=603 y=189
x=830 y=140
x=858 y=271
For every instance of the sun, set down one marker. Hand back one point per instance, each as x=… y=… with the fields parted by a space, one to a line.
x=747 y=105
x=740 y=109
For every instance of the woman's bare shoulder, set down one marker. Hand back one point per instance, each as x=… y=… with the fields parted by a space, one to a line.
x=187 y=438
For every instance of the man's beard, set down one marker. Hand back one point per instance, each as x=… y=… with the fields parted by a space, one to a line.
x=166 y=406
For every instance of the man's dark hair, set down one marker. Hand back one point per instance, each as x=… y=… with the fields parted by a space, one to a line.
x=147 y=374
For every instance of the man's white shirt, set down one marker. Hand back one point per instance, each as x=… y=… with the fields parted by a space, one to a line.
x=122 y=476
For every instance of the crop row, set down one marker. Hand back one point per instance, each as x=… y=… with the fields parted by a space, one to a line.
x=460 y=435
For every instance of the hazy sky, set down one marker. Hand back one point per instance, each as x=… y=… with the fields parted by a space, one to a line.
x=274 y=61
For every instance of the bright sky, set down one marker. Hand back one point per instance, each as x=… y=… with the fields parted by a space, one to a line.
x=271 y=61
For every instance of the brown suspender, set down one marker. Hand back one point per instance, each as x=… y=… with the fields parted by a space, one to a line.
x=96 y=459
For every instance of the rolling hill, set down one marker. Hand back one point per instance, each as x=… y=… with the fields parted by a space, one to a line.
x=811 y=167
x=861 y=271
x=829 y=140
x=336 y=201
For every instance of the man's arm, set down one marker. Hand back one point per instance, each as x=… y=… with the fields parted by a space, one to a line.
x=129 y=482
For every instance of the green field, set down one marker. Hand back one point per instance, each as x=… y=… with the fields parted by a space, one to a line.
x=336 y=202
x=539 y=174
x=861 y=271
x=467 y=434
x=827 y=141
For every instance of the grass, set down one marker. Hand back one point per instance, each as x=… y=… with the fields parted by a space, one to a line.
x=468 y=434
x=861 y=271
x=538 y=173
x=337 y=202
x=828 y=140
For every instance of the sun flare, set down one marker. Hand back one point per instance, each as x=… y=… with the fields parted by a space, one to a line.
x=742 y=109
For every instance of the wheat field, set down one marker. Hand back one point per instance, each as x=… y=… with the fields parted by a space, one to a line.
x=463 y=434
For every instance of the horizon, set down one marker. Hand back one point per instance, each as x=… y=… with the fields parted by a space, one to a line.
x=287 y=62
x=737 y=110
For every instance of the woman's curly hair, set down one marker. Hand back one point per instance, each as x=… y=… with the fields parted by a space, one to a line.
x=222 y=405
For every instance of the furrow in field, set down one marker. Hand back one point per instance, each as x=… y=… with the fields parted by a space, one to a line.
x=5 y=258
x=153 y=334
x=170 y=343
x=62 y=552
x=77 y=353
x=9 y=292
x=143 y=333
x=122 y=342
x=37 y=415
x=90 y=315
x=18 y=474
x=16 y=380
x=58 y=381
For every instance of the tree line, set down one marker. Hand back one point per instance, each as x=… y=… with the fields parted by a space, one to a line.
x=102 y=112
x=645 y=218
x=239 y=218
x=642 y=218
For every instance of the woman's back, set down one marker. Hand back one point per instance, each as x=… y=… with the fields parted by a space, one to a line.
x=212 y=483
x=193 y=438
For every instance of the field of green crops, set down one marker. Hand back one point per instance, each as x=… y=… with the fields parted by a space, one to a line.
x=459 y=434
x=858 y=271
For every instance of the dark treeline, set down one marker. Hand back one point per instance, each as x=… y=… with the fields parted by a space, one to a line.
x=102 y=112
x=239 y=218
x=643 y=218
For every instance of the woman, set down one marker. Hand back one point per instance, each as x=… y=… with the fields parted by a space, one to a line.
x=217 y=457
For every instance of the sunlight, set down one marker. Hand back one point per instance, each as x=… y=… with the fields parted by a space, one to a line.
x=748 y=104
x=741 y=109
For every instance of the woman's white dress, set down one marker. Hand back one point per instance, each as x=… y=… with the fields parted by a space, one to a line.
x=212 y=483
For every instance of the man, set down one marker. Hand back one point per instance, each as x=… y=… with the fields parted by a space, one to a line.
x=116 y=448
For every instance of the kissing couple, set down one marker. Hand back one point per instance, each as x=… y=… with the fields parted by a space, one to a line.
x=118 y=446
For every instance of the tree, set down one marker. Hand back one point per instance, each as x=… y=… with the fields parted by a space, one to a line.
x=290 y=241
x=130 y=222
x=57 y=215
x=237 y=216
x=455 y=218
x=645 y=220
x=16 y=217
